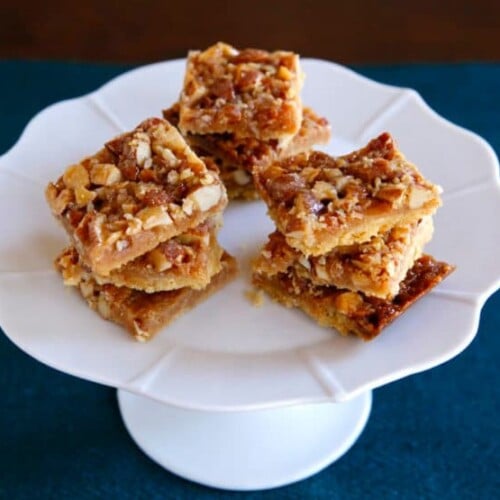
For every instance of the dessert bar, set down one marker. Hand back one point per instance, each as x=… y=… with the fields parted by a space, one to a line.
x=351 y=312
x=248 y=93
x=319 y=202
x=141 y=313
x=143 y=188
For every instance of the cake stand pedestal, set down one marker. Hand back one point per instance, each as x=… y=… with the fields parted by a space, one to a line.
x=244 y=450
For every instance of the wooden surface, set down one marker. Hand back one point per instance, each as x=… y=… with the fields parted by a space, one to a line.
x=349 y=31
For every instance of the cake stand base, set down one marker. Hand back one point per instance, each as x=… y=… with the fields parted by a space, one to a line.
x=250 y=450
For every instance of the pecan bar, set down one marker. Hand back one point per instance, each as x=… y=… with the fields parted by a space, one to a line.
x=188 y=260
x=248 y=93
x=351 y=312
x=236 y=157
x=319 y=202
x=144 y=187
x=142 y=314
x=375 y=267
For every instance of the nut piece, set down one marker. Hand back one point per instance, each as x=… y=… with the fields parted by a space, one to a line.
x=348 y=302
x=173 y=177
x=393 y=194
x=284 y=73
x=159 y=260
x=169 y=157
x=206 y=197
x=103 y=307
x=419 y=196
x=241 y=177
x=60 y=201
x=324 y=191
x=104 y=174
x=76 y=176
x=87 y=289
x=153 y=216
x=143 y=152
x=83 y=196
x=321 y=273
x=187 y=206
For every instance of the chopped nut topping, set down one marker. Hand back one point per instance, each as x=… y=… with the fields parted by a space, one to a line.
x=205 y=197
x=319 y=202
x=83 y=196
x=105 y=174
x=153 y=216
x=241 y=177
x=76 y=176
x=136 y=184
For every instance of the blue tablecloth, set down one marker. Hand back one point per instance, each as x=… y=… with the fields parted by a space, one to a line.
x=431 y=435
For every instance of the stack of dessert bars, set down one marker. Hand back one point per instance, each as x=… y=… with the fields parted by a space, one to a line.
x=350 y=235
x=243 y=109
x=143 y=215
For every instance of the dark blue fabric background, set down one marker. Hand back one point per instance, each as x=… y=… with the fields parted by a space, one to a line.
x=431 y=435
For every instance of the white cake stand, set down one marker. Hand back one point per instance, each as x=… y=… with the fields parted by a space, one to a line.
x=249 y=450
x=230 y=395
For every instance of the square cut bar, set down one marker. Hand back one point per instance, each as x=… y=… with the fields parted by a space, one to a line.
x=319 y=202
x=144 y=187
x=188 y=260
x=351 y=312
x=142 y=314
x=248 y=93
x=376 y=267
x=236 y=157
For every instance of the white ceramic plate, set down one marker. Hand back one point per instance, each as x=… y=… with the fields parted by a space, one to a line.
x=227 y=354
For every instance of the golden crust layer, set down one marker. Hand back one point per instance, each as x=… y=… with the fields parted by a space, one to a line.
x=142 y=314
x=249 y=93
x=143 y=188
x=351 y=312
x=319 y=202
x=375 y=267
